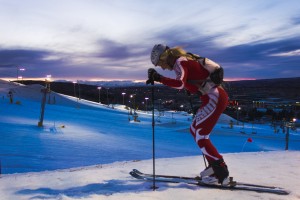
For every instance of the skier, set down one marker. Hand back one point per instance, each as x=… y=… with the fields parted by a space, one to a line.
x=213 y=96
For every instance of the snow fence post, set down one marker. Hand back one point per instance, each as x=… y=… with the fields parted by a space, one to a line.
x=45 y=91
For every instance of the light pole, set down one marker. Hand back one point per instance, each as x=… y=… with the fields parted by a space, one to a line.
x=237 y=115
x=134 y=108
x=78 y=89
x=22 y=70
x=131 y=104
x=48 y=79
x=99 y=88
x=107 y=96
x=123 y=93
x=74 y=83
x=288 y=126
x=146 y=98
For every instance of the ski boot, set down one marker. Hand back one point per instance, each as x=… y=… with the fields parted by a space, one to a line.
x=216 y=172
x=220 y=171
x=208 y=175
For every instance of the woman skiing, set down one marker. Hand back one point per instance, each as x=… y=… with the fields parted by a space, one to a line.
x=194 y=76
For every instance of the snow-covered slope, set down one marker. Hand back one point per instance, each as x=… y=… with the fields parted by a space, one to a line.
x=112 y=181
x=85 y=151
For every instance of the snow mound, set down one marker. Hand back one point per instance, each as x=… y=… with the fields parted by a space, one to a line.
x=112 y=181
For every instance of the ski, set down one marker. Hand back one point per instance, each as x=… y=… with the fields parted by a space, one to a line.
x=164 y=176
x=192 y=181
x=197 y=178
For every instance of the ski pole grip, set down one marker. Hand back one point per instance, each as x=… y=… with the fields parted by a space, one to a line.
x=150 y=81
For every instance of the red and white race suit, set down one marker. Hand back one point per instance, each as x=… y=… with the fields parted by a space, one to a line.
x=214 y=101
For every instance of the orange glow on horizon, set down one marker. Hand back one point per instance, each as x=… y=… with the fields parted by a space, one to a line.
x=69 y=79
x=103 y=79
x=240 y=79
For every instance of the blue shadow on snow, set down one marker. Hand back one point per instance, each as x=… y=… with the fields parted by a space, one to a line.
x=106 y=188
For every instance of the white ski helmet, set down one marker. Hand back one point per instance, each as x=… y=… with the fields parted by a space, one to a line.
x=156 y=52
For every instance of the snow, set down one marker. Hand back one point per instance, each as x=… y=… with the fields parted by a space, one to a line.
x=86 y=150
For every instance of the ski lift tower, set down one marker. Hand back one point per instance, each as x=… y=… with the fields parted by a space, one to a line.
x=45 y=91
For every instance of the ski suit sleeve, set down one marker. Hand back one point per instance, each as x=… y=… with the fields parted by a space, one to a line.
x=182 y=69
x=180 y=72
x=177 y=84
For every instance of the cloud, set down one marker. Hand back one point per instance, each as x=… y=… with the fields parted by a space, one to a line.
x=16 y=57
x=289 y=53
x=116 y=60
x=260 y=51
x=37 y=62
x=262 y=59
x=187 y=37
x=296 y=20
x=112 y=50
x=252 y=60
x=113 y=61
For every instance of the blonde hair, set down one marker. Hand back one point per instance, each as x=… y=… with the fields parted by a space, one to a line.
x=176 y=52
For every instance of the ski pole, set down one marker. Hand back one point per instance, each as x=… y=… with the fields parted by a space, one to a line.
x=204 y=160
x=150 y=80
x=154 y=187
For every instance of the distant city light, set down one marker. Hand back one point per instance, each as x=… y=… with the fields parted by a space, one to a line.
x=48 y=77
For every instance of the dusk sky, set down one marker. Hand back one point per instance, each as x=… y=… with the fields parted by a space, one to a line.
x=112 y=39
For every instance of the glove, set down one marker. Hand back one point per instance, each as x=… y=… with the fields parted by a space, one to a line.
x=153 y=76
